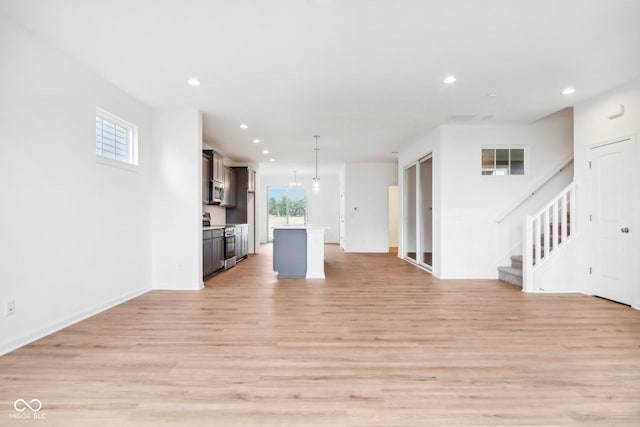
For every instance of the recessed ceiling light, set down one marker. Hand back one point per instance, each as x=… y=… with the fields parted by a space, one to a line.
x=256 y=141
x=449 y=79
x=265 y=151
x=272 y=159
x=193 y=82
x=492 y=94
x=568 y=91
x=244 y=126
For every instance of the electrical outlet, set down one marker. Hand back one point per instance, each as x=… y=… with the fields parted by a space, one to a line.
x=11 y=308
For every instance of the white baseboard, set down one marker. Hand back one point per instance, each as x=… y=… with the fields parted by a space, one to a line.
x=16 y=343
x=173 y=287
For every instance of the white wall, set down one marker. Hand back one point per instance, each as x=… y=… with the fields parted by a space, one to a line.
x=394 y=215
x=561 y=273
x=177 y=200
x=467 y=241
x=366 y=210
x=75 y=235
x=324 y=206
x=218 y=214
x=592 y=126
x=475 y=244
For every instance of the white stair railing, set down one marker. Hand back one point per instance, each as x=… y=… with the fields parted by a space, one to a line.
x=546 y=232
x=535 y=188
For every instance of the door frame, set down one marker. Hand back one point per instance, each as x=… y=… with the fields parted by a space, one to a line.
x=418 y=214
x=634 y=222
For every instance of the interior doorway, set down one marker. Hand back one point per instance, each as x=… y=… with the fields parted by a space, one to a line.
x=614 y=220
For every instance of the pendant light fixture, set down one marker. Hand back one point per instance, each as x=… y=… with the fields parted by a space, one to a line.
x=316 y=180
x=295 y=182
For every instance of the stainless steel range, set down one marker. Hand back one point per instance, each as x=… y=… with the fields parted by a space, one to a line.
x=229 y=246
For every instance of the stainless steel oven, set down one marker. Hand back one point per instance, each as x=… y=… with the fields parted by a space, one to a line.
x=229 y=247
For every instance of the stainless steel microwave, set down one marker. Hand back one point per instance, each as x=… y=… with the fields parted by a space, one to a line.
x=217 y=192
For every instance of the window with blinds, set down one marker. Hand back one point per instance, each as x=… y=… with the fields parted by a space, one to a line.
x=115 y=138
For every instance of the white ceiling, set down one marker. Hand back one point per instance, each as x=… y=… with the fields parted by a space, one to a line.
x=365 y=75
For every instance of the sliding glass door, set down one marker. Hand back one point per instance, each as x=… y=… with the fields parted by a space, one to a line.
x=425 y=212
x=418 y=212
x=410 y=218
x=286 y=206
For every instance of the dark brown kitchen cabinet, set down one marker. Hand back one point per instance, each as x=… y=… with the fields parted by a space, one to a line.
x=240 y=213
x=218 y=167
x=242 y=241
x=244 y=211
x=212 y=252
x=230 y=195
x=206 y=178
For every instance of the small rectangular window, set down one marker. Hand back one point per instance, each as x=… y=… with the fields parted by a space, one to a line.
x=116 y=139
x=503 y=161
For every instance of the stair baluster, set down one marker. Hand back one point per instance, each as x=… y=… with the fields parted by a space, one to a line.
x=546 y=232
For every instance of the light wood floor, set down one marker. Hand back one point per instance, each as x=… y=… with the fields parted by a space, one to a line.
x=427 y=257
x=378 y=343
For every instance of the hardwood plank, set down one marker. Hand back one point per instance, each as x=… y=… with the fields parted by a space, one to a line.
x=377 y=343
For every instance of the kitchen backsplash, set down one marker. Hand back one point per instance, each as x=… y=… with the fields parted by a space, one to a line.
x=218 y=214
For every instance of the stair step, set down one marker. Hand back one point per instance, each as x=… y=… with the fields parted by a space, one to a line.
x=511 y=275
x=516 y=261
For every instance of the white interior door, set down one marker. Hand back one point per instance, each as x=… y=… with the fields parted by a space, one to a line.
x=614 y=220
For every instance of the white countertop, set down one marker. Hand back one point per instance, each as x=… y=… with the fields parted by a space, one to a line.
x=218 y=226
x=212 y=227
x=301 y=227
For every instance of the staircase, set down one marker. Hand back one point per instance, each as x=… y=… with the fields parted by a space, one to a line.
x=512 y=274
x=544 y=233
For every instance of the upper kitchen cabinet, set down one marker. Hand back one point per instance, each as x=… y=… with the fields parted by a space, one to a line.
x=206 y=178
x=218 y=167
x=245 y=181
x=230 y=188
x=213 y=180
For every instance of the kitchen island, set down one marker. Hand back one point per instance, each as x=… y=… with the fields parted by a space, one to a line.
x=298 y=251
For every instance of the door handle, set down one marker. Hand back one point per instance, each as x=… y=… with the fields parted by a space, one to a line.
x=624 y=230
